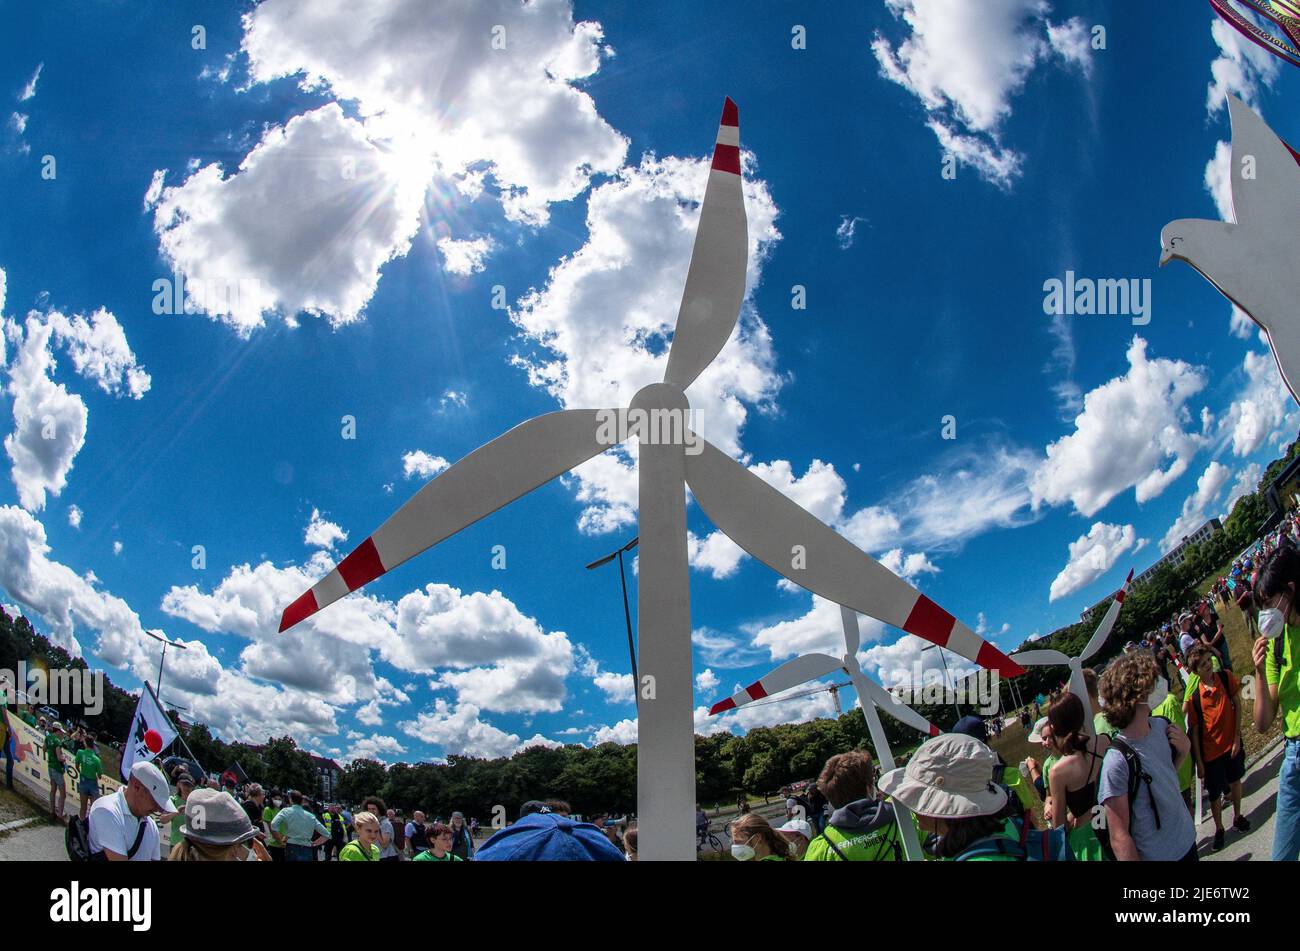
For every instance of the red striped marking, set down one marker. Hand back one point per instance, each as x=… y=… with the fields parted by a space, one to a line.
x=1129 y=579
x=303 y=608
x=756 y=691
x=730 y=113
x=930 y=621
x=362 y=566
x=991 y=658
x=1119 y=595
x=934 y=730
x=726 y=158
x=721 y=706
x=1293 y=152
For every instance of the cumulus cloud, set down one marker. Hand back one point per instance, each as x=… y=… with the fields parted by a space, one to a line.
x=384 y=749
x=344 y=207
x=706 y=681
x=459 y=730
x=322 y=533
x=1091 y=556
x=1197 y=505
x=967 y=62
x=74 y=516
x=467 y=257
x=1130 y=434
x=617 y=688
x=1247 y=481
x=420 y=463
x=1263 y=410
x=1242 y=68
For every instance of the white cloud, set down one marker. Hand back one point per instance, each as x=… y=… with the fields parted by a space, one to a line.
x=458 y=730
x=438 y=90
x=1091 y=556
x=966 y=62
x=99 y=352
x=1241 y=68
x=848 y=227
x=1218 y=180
x=909 y=566
x=603 y=320
x=1130 y=433
x=153 y=193
x=1262 y=410
x=420 y=463
x=464 y=258
x=384 y=749
x=74 y=516
x=1247 y=481
x=343 y=207
x=117 y=548
x=617 y=688
x=322 y=533
x=706 y=681
x=49 y=422
x=453 y=398
x=29 y=90
x=820 y=630
x=1197 y=505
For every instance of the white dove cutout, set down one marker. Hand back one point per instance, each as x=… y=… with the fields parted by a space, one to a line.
x=1254 y=262
x=756 y=516
x=1051 y=658
x=871 y=695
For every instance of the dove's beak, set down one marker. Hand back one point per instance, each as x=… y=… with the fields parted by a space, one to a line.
x=1166 y=255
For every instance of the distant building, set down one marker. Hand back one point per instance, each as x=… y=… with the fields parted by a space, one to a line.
x=1175 y=556
x=330 y=772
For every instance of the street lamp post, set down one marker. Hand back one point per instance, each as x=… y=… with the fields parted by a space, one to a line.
x=159 y=636
x=627 y=612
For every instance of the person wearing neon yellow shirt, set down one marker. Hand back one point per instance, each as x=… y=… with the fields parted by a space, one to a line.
x=441 y=837
x=363 y=848
x=1276 y=666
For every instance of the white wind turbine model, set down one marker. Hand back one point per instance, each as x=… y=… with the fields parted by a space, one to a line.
x=1052 y=658
x=1254 y=262
x=756 y=516
x=871 y=695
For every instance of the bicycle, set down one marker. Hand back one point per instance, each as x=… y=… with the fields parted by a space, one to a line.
x=707 y=837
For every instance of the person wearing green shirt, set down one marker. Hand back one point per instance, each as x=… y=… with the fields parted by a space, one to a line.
x=861 y=828
x=275 y=841
x=363 y=847
x=54 y=742
x=440 y=840
x=1276 y=667
x=1171 y=708
x=28 y=717
x=184 y=786
x=89 y=768
x=947 y=783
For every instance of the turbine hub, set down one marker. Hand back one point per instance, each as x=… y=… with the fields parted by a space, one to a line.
x=661 y=396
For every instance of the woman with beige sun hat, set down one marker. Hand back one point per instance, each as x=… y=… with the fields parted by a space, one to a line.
x=949 y=784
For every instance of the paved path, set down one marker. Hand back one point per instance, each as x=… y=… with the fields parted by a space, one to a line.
x=36 y=843
x=1259 y=802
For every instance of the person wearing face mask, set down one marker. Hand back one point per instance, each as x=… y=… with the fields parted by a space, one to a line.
x=1138 y=786
x=1215 y=733
x=216 y=829
x=276 y=840
x=754 y=839
x=1276 y=667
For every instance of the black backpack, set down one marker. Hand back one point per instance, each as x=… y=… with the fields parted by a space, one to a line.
x=76 y=839
x=1137 y=774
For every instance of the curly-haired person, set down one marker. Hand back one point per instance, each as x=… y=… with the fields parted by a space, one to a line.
x=1138 y=786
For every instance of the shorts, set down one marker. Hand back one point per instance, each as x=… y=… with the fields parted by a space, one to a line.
x=88 y=787
x=1221 y=773
x=56 y=779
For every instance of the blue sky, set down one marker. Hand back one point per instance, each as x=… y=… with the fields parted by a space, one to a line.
x=364 y=183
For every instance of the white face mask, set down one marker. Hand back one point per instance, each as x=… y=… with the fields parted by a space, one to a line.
x=741 y=853
x=1158 y=693
x=276 y=802
x=251 y=856
x=1271 y=623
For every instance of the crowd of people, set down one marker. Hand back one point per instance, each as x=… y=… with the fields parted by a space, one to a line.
x=1115 y=781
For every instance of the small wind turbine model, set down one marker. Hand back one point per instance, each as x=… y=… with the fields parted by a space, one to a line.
x=1255 y=261
x=871 y=695
x=754 y=515
x=1052 y=658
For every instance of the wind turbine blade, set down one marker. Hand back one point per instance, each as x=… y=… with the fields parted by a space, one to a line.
x=1098 y=639
x=896 y=708
x=1079 y=687
x=852 y=636
x=491 y=476
x=797 y=546
x=715 y=281
x=1046 y=658
x=790 y=674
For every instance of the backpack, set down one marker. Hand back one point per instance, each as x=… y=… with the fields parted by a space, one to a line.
x=1200 y=714
x=76 y=840
x=1035 y=845
x=1137 y=774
